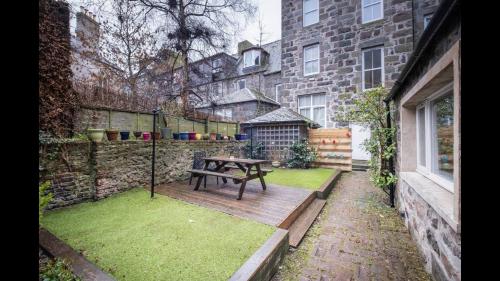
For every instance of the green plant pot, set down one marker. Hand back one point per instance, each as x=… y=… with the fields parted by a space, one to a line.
x=95 y=135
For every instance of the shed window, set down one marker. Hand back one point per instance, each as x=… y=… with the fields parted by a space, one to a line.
x=435 y=137
x=310 y=12
x=373 y=68
x=372 y=10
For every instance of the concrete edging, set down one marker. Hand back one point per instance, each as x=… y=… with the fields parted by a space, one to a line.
x=263 y=264
x=327 y=187
x=80 y=266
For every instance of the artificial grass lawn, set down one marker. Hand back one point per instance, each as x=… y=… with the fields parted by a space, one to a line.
x=304 y=178
x=136 y=238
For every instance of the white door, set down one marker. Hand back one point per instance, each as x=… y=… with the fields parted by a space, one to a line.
x=359 y=134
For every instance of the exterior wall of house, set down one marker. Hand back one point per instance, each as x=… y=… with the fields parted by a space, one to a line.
x=341 y=36
x=438 y=241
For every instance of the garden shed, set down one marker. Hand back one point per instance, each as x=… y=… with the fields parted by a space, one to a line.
x=277 y=131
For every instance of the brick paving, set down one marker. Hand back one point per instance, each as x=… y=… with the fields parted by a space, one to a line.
x=356 y=237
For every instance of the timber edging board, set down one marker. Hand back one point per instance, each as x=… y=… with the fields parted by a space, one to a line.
x=80 y=266
x=263 y=264
x=327 y=187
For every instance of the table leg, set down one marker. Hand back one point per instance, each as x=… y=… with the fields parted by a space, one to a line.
x=244 y=182
x=200 y=177
x=262 y=182
x=220 y=166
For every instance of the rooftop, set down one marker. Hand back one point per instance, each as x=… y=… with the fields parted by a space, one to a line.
x=283 y=114
x=243 y=95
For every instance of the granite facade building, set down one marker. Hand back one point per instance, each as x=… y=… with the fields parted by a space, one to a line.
x=333 y=50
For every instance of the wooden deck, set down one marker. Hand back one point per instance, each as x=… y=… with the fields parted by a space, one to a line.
x=272 y=206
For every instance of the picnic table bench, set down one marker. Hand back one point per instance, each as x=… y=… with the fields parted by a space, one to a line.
x=246 y=165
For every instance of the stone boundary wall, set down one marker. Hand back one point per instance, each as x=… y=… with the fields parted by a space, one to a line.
x=439 y=244
x=82 y=171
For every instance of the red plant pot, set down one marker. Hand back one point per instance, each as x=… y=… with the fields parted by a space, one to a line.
x=192 y=135
x=146 y=136
x=213 y=136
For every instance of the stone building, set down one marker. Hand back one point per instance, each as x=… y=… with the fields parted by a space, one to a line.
x=427 y=114
x=333 y=50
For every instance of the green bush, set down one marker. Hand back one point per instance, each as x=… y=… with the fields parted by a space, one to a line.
x=302 y=155
x=43 y=198
x=57 y=270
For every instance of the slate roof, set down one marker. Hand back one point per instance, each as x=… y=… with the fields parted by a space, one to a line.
x=274 y=50
x=243 y=95
x=283 y=114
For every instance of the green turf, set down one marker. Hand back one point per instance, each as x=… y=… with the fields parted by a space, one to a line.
x=304 y=178
x=136 y=238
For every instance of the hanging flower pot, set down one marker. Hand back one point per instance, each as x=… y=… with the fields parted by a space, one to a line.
x=176 y=136
x=184 y=136
x=243 y=137
x=156 y=135
x=124 y=135
x=112 y=134
x=218 y=136
x=137 y=134
x=206 y=137
x=198 y=136
x=146 y=136
x=237 y=136
x=192 y=135
x=166 y=133
x=213 y=136
x=96 y=134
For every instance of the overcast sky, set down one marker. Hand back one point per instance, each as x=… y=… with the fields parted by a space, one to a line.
x=270 y=12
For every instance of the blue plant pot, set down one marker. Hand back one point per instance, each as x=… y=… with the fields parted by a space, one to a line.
x=243 y=137
x=237 y=136
x=184 y=136
x=176 y=136
x=124 y=135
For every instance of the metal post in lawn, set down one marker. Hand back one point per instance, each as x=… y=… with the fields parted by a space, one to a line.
x=155 y=112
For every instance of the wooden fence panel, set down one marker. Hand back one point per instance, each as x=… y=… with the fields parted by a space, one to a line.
x=333 y=147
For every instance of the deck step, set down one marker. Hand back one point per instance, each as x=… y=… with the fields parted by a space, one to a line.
x=300 y=226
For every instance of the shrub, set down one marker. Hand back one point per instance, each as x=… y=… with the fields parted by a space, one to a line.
x=57 y=270
x=43 y=198
x=255 y=153
x=302 y=155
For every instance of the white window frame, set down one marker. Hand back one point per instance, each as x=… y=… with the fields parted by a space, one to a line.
x=304 y=12
x=304 y=59
x=382 y=79
x=430 y=18
x=276 y=91
x=311 y=107
x=253 y=53
x=427 y=170
x=363 y=6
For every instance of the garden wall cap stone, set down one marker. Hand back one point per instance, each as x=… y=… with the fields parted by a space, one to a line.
x=279 y=115
x=243 y=95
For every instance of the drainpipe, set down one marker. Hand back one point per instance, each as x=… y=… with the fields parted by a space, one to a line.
x=391 y=160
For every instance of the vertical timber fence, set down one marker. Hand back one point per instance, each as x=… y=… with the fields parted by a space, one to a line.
x=333 y=147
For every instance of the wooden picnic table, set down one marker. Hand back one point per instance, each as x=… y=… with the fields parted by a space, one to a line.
x=245 y=165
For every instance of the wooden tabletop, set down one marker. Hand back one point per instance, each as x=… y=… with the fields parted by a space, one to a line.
x=238 y=160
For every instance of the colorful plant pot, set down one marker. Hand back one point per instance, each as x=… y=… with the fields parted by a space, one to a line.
x=198 y=136
x=184 y=136
x=156 y=135
x=124 y=135
x=96 y=134
x=205 y=137
x=192 y=135
x=237 y=136
x=146 y=136
x=166 y=133
x=112 y=135
x=243 y=137
x=175 y=135
x=218 y=136
x=225 y=137
x=137 y=134
x=213 y=136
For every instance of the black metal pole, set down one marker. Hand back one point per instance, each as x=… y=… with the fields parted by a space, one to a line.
x=391 y=160
x=153 y=156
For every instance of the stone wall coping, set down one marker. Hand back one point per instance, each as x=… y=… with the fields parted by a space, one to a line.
x=438 y=198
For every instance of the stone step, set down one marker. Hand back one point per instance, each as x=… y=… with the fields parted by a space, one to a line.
x=300 y=226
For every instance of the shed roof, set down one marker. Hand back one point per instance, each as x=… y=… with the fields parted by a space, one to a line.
x=283 y=114
x=242 y=95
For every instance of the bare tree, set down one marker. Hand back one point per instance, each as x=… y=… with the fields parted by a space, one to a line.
x=200 y=27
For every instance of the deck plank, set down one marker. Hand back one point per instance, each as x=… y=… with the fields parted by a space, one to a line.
x=269 y=206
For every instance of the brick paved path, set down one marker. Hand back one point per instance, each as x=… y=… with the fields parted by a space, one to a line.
x=357 y=237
